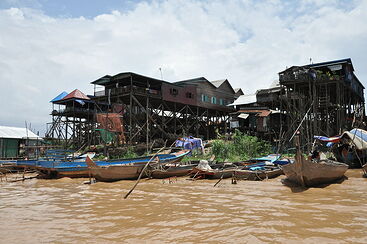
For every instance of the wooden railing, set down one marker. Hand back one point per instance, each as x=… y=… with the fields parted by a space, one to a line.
x=127 y=89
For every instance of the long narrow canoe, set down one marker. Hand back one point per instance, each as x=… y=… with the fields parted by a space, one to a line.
x=172 y=171
x=131 y=171
x=256 y=175
x=310 y=173
x=213 y=173
x=58 y=169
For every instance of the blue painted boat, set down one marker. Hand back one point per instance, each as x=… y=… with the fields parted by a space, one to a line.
x=271 y=159
x=79 y=169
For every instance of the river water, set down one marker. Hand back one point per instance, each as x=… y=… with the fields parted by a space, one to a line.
x=68 y=211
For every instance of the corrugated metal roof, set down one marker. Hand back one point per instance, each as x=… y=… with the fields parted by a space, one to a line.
x=243 y=115
x=16 y=133
x=258 y=112
x=77 y=95
x=345 y=60
x=244 y=99
x=275 y=83
x=218 y=83
x=194 y=81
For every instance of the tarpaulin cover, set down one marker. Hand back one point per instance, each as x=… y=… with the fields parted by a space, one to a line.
x=328 y=139
x=271 y=157
x=189 y=143
x=357 y=136
x=59 y=97
x=17 y=133
x=80 y=101
x=112 y=122
x=106 y=135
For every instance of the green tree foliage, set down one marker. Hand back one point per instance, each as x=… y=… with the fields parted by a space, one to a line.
x=240 y=147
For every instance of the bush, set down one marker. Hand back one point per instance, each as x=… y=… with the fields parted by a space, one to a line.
x=240 y=147
x=130 y=153
x=122 y=153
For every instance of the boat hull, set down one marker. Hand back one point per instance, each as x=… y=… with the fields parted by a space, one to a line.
x=256 y=175
x=117 y=172
x=59 y=169
x=131 y=171
x=308 y=173
x=212 y=174
x=171 y=172
x=351 y=157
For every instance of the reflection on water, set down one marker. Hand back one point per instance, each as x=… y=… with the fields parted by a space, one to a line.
x=68 y=211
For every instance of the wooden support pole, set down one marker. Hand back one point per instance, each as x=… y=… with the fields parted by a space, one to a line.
x=131 y=110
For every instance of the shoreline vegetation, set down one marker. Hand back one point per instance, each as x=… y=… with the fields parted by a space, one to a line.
x=236 y=147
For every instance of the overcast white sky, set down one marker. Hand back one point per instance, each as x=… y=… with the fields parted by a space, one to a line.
x=47 y=47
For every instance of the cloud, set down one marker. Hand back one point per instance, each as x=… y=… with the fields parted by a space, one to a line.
x=248 y=42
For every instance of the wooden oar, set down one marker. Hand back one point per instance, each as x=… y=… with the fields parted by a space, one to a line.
x=141 y=173
x=221 y=178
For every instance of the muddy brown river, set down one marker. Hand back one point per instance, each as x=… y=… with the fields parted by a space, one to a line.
x=68 y=211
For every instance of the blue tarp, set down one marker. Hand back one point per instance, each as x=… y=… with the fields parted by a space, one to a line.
x=189 y=143
x=80 y=101
x=357 y=136
x=328 y=139
x=59 y=97
x=360 y=133
x=271 y=158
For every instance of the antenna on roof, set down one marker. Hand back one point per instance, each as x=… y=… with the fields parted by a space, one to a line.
x=310 y=60
x=160 y=69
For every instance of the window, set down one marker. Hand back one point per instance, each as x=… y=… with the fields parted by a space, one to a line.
x=214 y=100
x=173 y=91
x=204 y=98
x=221 y=101
x=189 y=95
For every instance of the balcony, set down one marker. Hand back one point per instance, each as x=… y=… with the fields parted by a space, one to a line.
x=306 y=77
x=126 y=90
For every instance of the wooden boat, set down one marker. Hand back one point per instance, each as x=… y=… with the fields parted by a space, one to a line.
x=261 y=168
x=111 y=173
x=307 y=173
x=8 y=167
x=171 y=171
x=129 y=171
x=260 y=174
x=213 y=171
x=349 y=148
x=271 y=158
x=212 y=174
x=58 y=169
